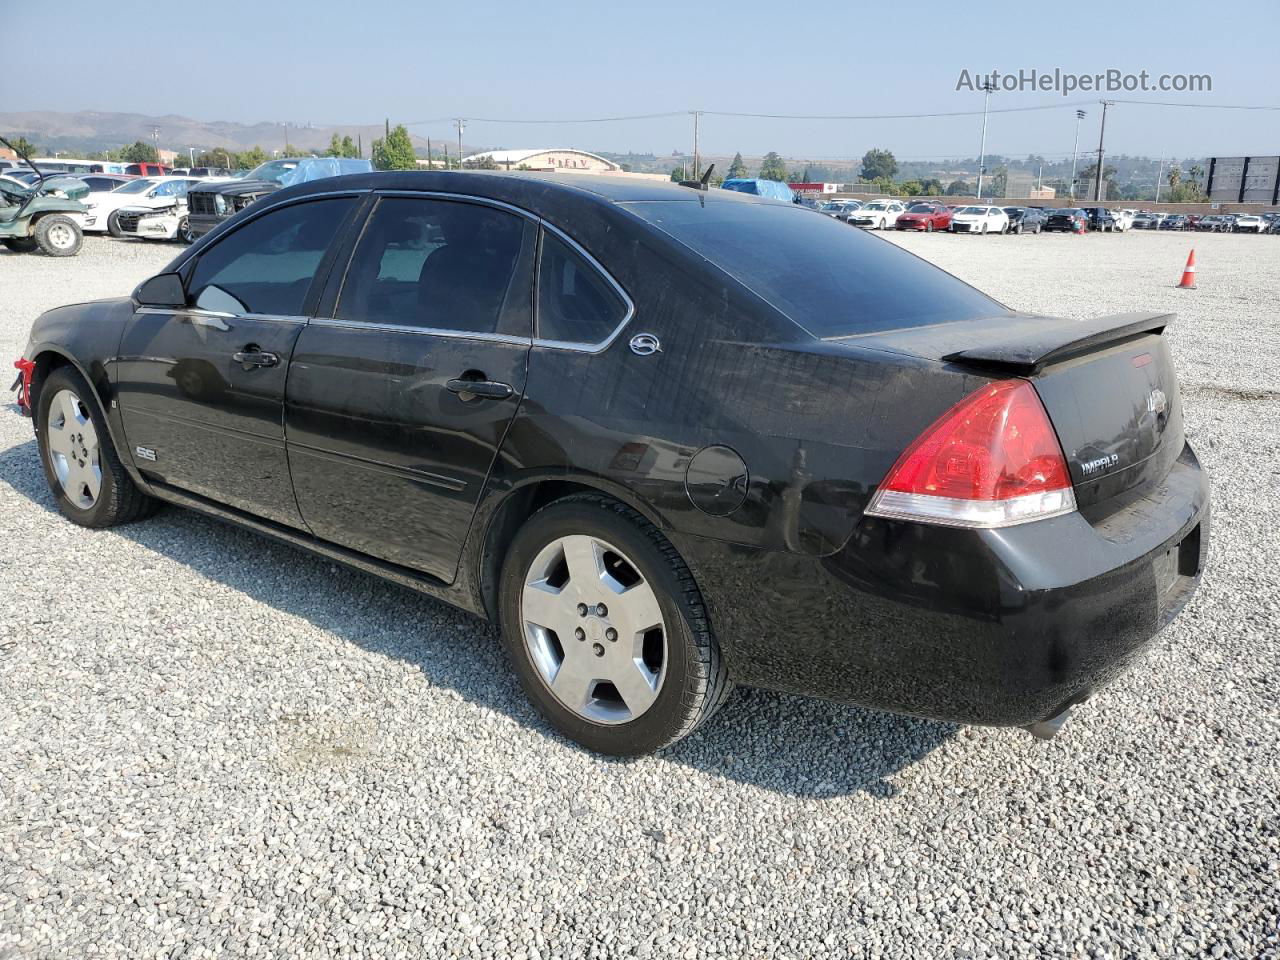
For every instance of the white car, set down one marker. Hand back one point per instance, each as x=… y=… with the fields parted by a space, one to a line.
x=1124 y=219
x=979 y=220
x=154 y=192
x=877 y=215
x=150 y=223
x=1248 y=223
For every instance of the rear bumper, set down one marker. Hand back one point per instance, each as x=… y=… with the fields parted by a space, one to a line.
x=999 y=627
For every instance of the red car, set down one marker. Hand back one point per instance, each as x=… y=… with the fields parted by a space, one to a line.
x=924 y=216
x=147 y=169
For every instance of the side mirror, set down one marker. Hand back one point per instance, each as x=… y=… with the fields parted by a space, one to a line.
x=162 y=290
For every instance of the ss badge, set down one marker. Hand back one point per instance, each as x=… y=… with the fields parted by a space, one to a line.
x=145 y=453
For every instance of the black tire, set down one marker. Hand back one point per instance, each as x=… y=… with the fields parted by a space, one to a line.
x=58 y=235
x=119 y=499
x=695 y=680
x=113 y=224
x=21 y=244
x=928 y=226
x=184 y=235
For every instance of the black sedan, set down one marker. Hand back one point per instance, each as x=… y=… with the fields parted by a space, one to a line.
x=1025 y=219
x=668 y=439
x=1066 y=220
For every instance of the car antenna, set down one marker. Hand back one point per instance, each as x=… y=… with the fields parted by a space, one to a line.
x=27 y=160
x=699 y=184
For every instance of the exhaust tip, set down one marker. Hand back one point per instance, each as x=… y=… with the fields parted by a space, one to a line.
x=1048 y=729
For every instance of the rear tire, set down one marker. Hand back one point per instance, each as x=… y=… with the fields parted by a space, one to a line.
x=617 y=554
x=91 y=485
x=58 y=235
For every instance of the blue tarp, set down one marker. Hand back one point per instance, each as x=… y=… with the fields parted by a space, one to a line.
x=318 y=168
x=761 y=188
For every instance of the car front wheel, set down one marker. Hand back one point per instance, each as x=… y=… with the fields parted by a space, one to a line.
x=606 y=628
x=58 y=236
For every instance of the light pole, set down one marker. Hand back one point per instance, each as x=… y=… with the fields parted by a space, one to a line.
x=987 y=87
x=461 y=125
x=1102 y=132
x=1075 y=147
x=191 y=152
x=1159 y=174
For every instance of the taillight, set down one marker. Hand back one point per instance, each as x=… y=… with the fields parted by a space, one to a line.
x=992 y=460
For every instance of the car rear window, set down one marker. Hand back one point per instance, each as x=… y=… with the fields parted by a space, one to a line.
x=829 y=278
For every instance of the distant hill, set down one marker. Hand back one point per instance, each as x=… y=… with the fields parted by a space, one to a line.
x=90 y=131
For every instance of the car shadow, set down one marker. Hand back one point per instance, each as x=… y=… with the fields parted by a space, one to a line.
x=786 y=744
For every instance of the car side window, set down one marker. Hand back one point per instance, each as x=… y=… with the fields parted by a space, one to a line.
x=268 y=264
x=576 y=304
x=442 y=265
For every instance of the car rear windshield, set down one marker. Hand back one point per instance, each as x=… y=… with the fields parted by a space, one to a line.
x=829 y=279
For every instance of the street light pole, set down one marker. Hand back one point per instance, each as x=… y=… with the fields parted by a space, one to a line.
x=987 y=87
x=697 y=114
x=1075 y=150
x=1159 y=174
x=461 y=124
x=1102 y=130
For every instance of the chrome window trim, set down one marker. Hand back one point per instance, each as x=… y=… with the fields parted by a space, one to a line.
x=604 y=344
x=423 y=331
x=220 y=315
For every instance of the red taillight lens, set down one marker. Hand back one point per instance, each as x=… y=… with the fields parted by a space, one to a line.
x=992 y=460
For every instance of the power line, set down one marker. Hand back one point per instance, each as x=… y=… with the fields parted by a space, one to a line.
x=1197 y=106
x=890 y=116
x=637 y=116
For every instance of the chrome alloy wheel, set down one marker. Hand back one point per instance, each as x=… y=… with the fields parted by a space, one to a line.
x=73 y=449
x=593 y=629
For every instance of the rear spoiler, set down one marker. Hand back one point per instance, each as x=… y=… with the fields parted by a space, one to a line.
x=1027 y=344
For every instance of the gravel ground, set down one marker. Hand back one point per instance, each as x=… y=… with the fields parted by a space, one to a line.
x=212 y=745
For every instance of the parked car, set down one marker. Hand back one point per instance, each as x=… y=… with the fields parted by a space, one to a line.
x=979 y=219
x=1025 y=219
x=652 y=500
x=147 y=169
x=168 y=222
x=148 y=192
x=1174 y=221
x=1100 y=219
x=876 y=215
x=839 y=209
x=1123 y=218
x=1147 y=221
x=102 y=183
x=215 y=201
x=1249 y=223
x=1066 y=220
x=927 y=217
x=1210 y=224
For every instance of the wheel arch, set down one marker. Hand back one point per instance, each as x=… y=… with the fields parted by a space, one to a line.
x=522 y=501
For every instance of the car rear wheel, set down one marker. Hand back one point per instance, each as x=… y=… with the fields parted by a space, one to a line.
x=58 y=236
x=606 y=628
x=85 y=475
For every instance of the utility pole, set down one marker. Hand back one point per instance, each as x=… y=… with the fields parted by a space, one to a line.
x=155 y=139
x=461 y=124
x=1159 y=175
x=987 y=87
x=697 y=115
x=430 y=164
x=1039 y=175
x=191 y=152
x=1102 y=130
x=1075 y=151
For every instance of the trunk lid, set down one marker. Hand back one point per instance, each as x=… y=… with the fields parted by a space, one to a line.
x=1107 y=383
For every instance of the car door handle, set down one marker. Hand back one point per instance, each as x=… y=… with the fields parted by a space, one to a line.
x=490 y=389
x=255 y=358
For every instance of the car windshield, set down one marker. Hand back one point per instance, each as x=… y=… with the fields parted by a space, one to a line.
x=830 y=280
x=978 y=210
x=920 y=208
x=877 y=205
x=1012 y=210
x=135 y=186
x=273 y=170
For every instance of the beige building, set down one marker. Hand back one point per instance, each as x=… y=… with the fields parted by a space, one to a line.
x=556 y=160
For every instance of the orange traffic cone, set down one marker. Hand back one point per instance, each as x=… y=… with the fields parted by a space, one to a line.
x=1189 y=274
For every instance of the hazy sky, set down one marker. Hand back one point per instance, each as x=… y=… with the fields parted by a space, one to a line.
x=356 y=61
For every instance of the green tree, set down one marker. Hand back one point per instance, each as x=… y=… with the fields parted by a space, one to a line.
x=912 y=188
x=253 y=157
x=139 y=152
x=395 y=152
x=737 y=169
x=485 y=162
x=679 y=174
x=878 y=163
x=959 y=188
x=24 y=147
x=772 y=167
x=344 y=147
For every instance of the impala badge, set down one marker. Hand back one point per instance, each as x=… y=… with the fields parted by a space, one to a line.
x=645 y=344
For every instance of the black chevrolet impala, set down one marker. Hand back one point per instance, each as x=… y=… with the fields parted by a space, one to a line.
x=669 y=439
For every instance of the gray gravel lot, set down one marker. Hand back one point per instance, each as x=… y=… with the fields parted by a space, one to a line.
x=213 y=745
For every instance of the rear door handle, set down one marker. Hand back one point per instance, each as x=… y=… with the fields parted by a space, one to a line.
x=490 y=389
x=255 y=358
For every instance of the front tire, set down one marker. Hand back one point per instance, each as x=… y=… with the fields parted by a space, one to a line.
x=58 y=236
x=113 y=225
x=86 y=477
x=184 y=235
x=606 y=628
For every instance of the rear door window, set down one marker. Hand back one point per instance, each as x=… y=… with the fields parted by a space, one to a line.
x=830 y=280
x=577 y=304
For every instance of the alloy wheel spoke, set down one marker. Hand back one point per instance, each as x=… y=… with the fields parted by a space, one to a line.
x=93 y=480
x=60 y=439
x=70 y=410
x=545 y=606
x=572 y=682
x=582 y=556
x=635 y=684
x=637 y=609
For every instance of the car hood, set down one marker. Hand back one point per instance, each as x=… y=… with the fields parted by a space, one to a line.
x=870 y=212
x=236 y=188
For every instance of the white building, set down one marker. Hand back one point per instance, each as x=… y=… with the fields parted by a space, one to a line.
x=556 y=160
